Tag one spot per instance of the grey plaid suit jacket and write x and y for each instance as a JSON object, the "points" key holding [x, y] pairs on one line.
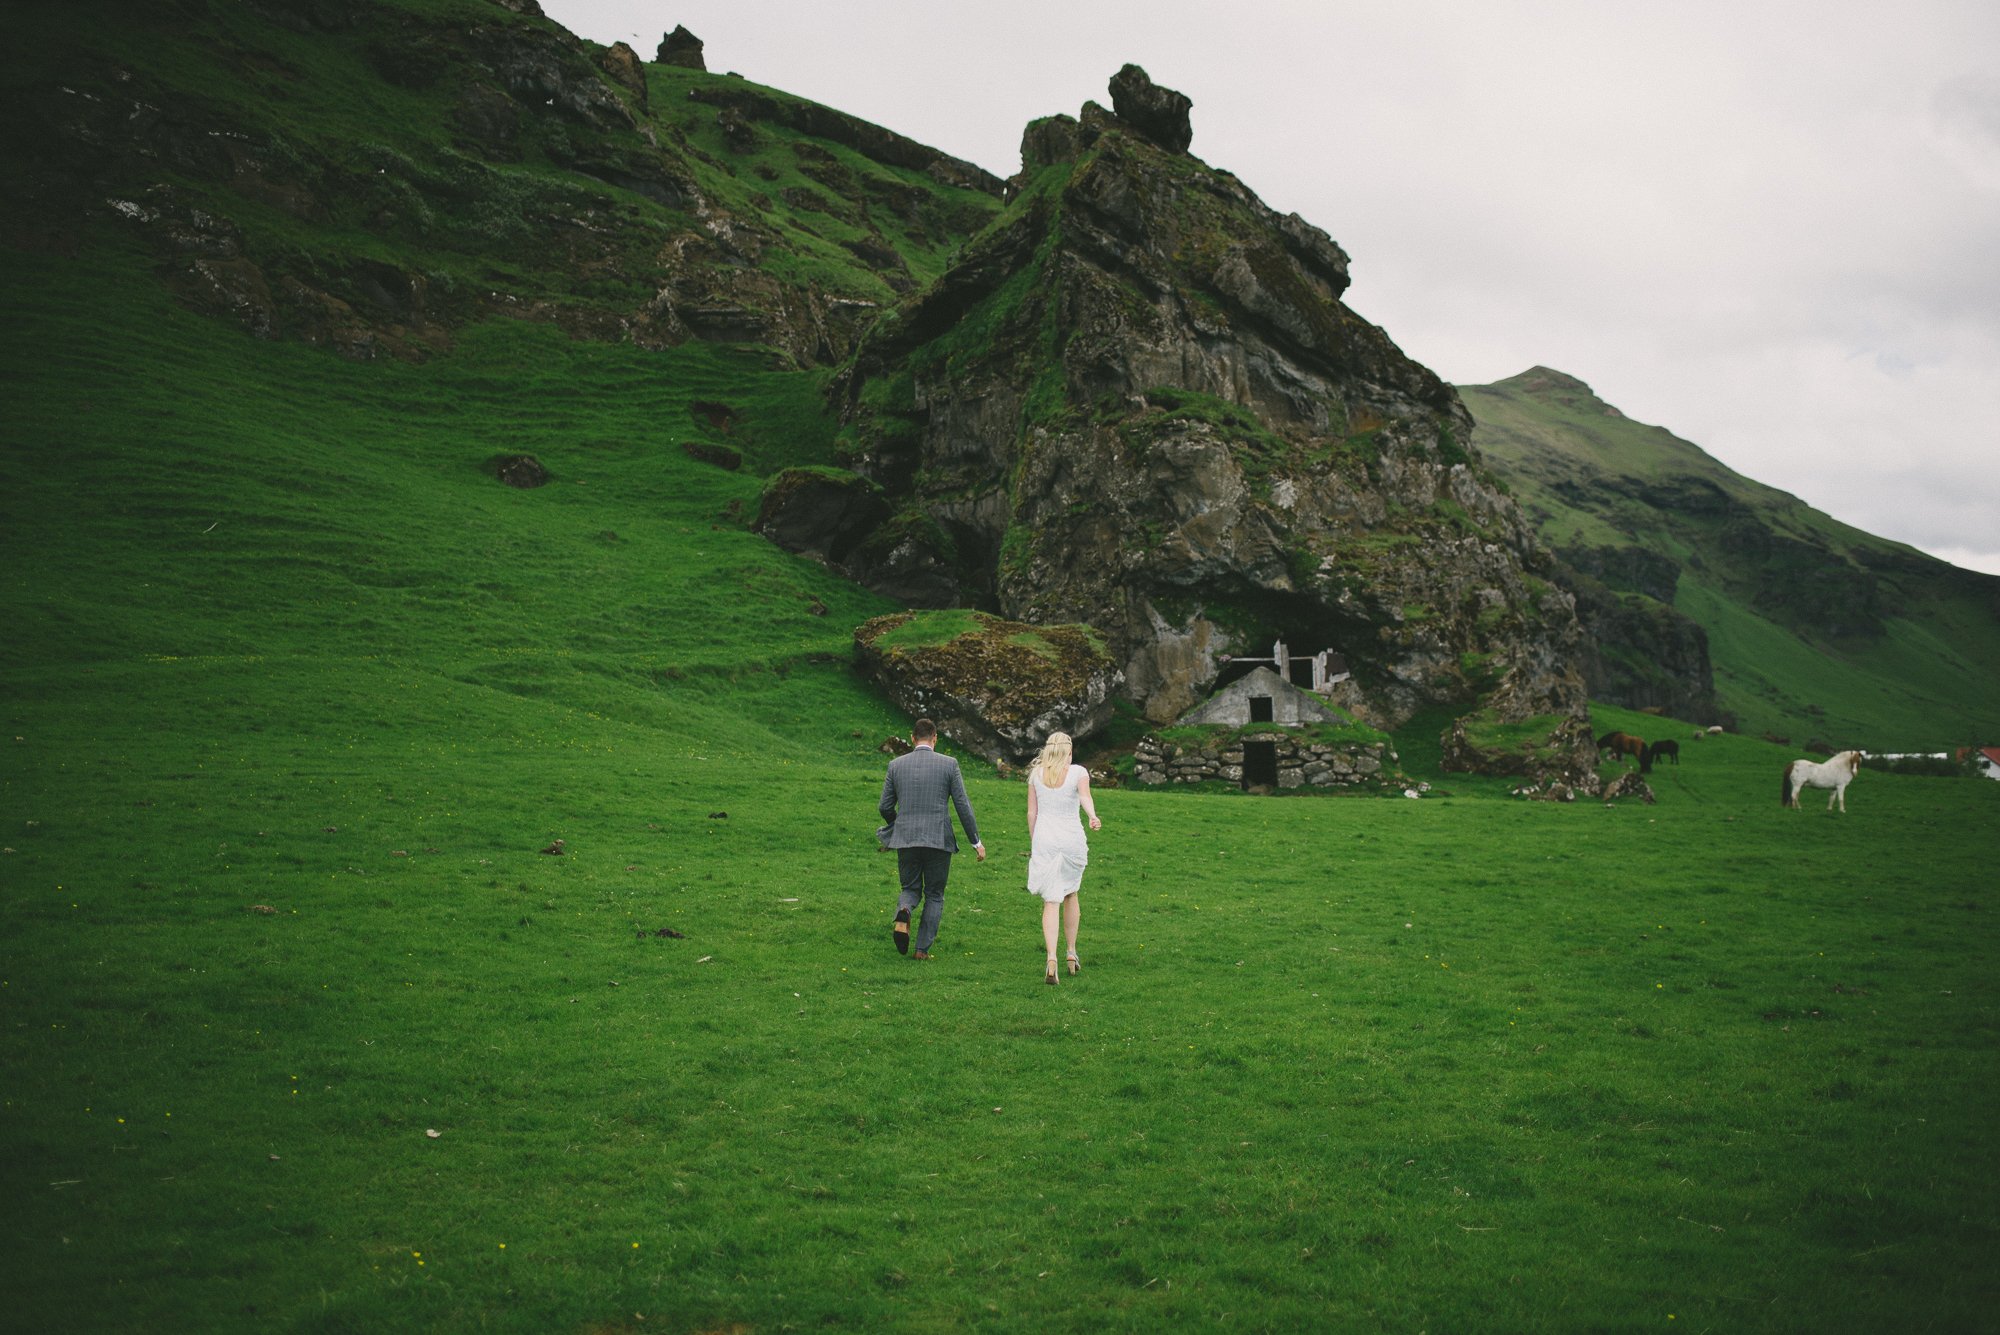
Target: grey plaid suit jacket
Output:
{"points": [[918, 793]]}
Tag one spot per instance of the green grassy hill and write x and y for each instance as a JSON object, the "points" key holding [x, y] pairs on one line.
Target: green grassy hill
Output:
{"points": [[1816, 629], [371, 175], [302, 1028]]}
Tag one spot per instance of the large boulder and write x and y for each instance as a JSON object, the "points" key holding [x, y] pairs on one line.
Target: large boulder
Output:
{"points": [[995, 687], [621, 62], [681, 47], [1161, 114]]}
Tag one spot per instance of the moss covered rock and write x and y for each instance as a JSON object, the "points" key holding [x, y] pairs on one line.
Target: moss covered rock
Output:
{"points": [[996, 687], [1545, 753]]}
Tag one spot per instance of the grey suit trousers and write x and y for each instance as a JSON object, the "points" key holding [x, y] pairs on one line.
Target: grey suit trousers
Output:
{"points": [[919, 794], [924, 872]]}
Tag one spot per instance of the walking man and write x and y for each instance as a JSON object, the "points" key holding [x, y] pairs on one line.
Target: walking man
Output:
{"points": [[917, 793]]}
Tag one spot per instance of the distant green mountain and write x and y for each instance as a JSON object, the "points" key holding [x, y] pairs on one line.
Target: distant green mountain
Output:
{"points": [[1815, 630]]}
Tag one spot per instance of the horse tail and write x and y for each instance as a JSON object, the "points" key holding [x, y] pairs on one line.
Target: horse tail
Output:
{"points": [[1785, 792], [1646, 760]]}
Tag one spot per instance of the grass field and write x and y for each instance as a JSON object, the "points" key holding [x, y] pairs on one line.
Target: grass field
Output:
{"points": [[1464, 1063]]}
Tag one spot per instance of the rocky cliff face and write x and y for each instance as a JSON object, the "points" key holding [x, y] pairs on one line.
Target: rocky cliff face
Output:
{"points": [[1137, 400], [1639, 652]]}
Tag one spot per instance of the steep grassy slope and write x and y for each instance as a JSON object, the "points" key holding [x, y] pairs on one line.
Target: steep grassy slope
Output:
{"points": [[1816, 629], [371, 174], [186, 495]]}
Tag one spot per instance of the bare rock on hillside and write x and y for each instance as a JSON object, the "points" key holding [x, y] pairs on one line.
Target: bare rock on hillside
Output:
{"points": [[821, 512], [1629, 784], [737, 132], [519, 470], [682, 48], [1556, 755], [998, 688], [546, 69], [1639, 651], [487, 121], [1049, 140], [621, 62], [1161, 114]]}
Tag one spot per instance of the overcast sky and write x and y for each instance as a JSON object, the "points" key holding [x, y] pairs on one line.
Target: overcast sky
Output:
{"points": [[1771, 227]]}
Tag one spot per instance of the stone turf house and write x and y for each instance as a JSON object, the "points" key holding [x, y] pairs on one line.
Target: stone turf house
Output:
{"points": [[1259, 696], [1264, 733]]}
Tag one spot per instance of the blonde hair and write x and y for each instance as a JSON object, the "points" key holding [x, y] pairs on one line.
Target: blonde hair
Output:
{"points": [[1052, 765]]}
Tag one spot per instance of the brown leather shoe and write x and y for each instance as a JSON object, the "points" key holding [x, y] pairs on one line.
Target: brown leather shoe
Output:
{"points": [[921, 955]]}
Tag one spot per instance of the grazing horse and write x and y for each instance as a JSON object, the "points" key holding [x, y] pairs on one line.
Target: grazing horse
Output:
{"points": [[1670, 749], [1836, 774], [1623, 744]]}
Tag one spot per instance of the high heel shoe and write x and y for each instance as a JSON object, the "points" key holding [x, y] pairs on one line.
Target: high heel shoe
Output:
{"points": [[1050, 976], [1075, 964]]}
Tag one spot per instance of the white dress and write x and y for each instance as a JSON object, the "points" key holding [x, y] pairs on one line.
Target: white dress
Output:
{"points": [[1059, 853]]}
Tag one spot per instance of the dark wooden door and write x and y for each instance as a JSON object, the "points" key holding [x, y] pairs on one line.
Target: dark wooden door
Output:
{"points": [[1260, 764]]}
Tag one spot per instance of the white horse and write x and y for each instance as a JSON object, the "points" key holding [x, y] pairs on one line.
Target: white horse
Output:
{"points": [[1836, 774]]}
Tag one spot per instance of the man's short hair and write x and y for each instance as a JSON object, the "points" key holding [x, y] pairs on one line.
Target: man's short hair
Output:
{"points": [[923, 730]]}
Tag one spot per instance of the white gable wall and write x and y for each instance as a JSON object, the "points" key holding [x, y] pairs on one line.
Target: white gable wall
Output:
{"points": [[1230, 706]]}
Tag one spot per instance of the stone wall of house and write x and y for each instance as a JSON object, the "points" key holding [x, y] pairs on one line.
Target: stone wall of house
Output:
{"points": [[1303, 760]]}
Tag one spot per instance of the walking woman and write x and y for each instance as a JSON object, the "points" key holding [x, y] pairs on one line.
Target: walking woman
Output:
{"points": [[1058, 851]]}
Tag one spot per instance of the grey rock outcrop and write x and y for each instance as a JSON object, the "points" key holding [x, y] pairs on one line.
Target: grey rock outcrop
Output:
{"points": [[1639, 652], [1139, 401], [1161, 114], [519, 470], [820, 511], [622, 63], [682, 48], [1629, 784]]}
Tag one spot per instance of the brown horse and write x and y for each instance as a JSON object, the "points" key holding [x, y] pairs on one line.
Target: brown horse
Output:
{"points": [[1669, 749], [1623, 744]]}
